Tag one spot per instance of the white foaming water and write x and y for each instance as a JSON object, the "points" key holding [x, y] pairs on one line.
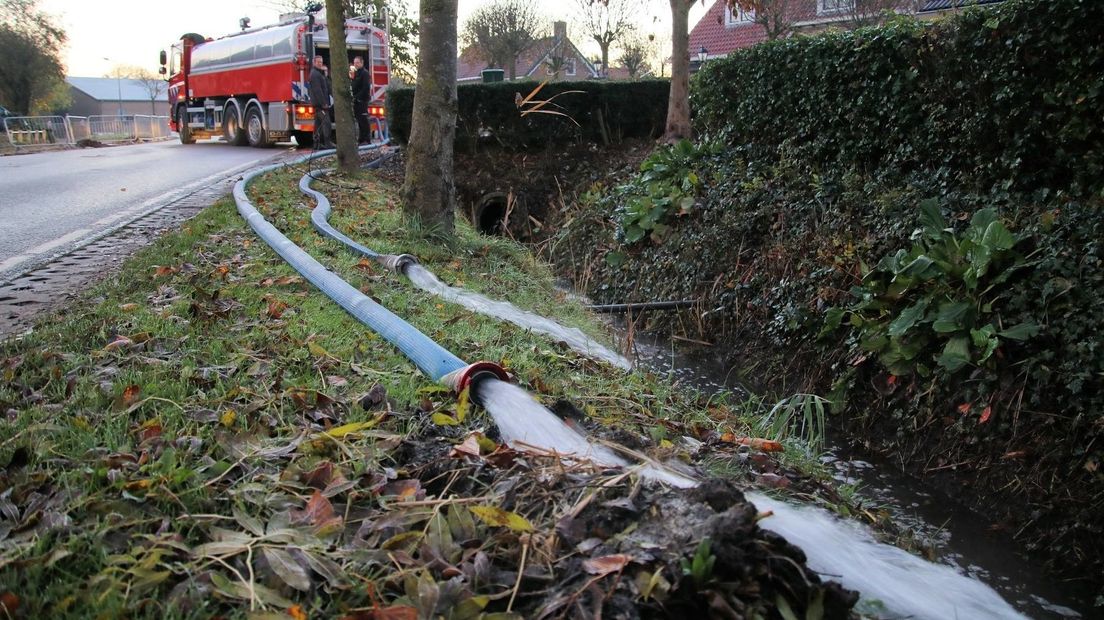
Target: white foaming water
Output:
{"points": [[572, 337], [522, 420], [908, 585]]}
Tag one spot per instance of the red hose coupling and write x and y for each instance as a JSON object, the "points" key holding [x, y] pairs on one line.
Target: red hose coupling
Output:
{"points": [[460, 379]]}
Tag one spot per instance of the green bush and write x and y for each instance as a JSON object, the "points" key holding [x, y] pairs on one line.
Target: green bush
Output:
{"points": [[1009, 97], [938, 306], [602, 112], [973, 353]]}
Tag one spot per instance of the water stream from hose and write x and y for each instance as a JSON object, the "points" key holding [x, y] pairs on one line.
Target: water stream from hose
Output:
{"points": [[907, 585], [524, 422], [571, 336]]}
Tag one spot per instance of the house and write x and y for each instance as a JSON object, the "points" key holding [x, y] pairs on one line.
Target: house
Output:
{"points": [[723, 30], [110, 96], [539, 62]]}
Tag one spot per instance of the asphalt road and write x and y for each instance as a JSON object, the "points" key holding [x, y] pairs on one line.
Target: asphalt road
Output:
{"points": [[52, 201]]}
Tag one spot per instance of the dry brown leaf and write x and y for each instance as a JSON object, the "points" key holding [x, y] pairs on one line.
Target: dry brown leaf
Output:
{"points": [[468, 447], [606, 564]]}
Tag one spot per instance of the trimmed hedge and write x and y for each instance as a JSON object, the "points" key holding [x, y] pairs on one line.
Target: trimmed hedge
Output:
{"points": [[488, 114], [1009, 97]]}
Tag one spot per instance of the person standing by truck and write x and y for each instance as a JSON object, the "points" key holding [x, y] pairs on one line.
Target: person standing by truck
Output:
{"points": [[320, 99], [362, 95]]}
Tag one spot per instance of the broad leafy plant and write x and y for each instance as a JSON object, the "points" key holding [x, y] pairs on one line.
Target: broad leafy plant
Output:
{"points": [[936, 305], [668, 186]]}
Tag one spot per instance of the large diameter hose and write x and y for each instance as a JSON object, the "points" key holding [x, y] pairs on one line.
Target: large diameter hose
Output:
{"points": [[321, 213], [431, 358]]}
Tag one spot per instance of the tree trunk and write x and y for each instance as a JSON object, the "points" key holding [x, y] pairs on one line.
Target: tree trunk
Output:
{"points": [[347, 159], [428, 193], [678, 107]]}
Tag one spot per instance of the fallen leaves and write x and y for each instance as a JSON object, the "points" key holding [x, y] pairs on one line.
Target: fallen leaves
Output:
{"points": [[497, 517], [606, 564], [319, 512], [755, 443]]}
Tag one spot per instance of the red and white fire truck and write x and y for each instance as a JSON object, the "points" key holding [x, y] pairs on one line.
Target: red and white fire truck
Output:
{"points": [[251, 87]]}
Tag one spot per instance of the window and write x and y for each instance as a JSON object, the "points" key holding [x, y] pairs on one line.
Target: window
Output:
{"points": [[569, 66], [737, 16], [828, 7]]}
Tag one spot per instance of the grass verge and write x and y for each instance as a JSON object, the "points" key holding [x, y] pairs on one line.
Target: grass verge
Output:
{"points": [[206, 434]]}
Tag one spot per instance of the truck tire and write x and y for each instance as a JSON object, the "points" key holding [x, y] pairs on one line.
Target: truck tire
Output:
{"points": [[305, 139], [254, 127], [232, 130], [182, 126]]}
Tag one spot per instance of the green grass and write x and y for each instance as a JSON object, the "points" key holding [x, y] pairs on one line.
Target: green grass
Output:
{"points": [[138, 419]]}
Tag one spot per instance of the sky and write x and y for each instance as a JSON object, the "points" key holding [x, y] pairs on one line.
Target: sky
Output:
{"points": [[132, 32]]}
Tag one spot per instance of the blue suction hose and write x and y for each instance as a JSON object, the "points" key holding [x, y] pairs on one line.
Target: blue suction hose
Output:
{"points": [[431, 358]]}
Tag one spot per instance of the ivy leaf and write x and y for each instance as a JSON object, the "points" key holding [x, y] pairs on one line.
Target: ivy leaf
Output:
{"points": [[615, 259]]}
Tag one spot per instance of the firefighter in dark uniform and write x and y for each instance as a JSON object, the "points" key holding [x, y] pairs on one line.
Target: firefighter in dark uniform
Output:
{"points": [[362, 94], [320, 99]]}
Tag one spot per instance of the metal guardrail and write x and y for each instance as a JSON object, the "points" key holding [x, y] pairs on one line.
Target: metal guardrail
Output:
{"points": [[41, 131]]}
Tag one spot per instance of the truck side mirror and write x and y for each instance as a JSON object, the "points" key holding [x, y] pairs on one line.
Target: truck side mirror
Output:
{"points": [[164, 58]]}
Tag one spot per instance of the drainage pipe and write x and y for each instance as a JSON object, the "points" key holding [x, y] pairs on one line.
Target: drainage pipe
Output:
{"points": [[431, 358], [646, 305]]}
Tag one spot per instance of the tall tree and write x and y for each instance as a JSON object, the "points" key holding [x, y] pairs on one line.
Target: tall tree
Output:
{"points": [[869, 12], [153, 84], [607, 22], [429, 192], [635, 52], [777, 17], [30, 55], [503, 30], [347, 158], [678, 106]]}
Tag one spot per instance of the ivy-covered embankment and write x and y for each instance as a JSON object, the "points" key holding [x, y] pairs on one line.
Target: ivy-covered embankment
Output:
{"points": [[906, 219]]}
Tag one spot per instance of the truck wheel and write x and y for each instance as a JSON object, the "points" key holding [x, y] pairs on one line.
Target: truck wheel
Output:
{"points": [[182, 126], [254, 125], [305, 139], [232, 130]]}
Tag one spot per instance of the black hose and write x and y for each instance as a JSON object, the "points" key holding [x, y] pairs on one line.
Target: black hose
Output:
{"points": [[644, 305]]}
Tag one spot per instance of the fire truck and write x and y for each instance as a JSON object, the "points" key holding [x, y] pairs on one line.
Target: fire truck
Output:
{"points": [[251, 87]]}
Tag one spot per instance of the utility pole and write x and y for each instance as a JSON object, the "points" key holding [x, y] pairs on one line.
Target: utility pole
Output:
{"points": [[119, 86]]}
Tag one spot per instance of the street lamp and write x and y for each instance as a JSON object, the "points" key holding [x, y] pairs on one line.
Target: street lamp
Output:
{"points": [[119, 86], [702, 55], [598, 67]]}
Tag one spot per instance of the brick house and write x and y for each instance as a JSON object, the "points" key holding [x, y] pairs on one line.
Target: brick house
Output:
{"points": [[534, 63], [723, 30]]}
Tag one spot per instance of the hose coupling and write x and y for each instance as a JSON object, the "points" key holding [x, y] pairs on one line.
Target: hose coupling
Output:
{"points": [[397, 262], [470, 375]]}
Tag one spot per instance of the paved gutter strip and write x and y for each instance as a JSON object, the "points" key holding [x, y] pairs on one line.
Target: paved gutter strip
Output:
{"points": [[61, 277]]}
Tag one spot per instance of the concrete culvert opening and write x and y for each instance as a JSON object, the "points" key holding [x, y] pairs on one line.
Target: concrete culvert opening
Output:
{"points": [[490, 213]]}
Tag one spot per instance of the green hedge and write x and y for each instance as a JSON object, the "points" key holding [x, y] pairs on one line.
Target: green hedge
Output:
{"points": [[488, 114], [1010, 97]]}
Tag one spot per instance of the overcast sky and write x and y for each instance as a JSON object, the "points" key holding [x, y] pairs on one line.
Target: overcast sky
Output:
{"points": [[132, 32]]}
